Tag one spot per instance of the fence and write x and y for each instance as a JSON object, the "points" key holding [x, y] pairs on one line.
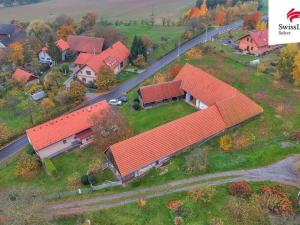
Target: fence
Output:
{"points": [[82, 191]]}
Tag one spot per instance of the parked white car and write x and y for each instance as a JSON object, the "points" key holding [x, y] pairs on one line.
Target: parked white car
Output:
{"points": [[115, 102]]}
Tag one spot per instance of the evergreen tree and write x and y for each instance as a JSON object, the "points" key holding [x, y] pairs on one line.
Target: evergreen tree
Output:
{"points": [[138, 48], [53, 50]]}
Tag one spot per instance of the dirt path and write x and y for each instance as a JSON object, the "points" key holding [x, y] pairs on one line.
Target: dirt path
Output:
{"points": [[281, 172]]}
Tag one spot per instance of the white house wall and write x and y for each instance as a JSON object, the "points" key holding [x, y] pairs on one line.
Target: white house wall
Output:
{"points": [[82, 74], [56, 148]]}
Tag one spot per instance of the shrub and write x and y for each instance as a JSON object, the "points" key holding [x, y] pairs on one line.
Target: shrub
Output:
{"points": [[28, 166], [96, 167], [142, 202], [216, 221], [51, 169], [74, 180], [240, 188], [30, 151], [64, 68], [85, 180], [202, 195], [92, 179], [261, 68], [197, 160], [225, 143], [137, 100], [242, 212], [178, 220], [136, 106], [175, 206], [275, 200]]}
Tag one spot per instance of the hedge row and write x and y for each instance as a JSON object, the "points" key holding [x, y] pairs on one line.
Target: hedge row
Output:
{"points": [[51, 169]]}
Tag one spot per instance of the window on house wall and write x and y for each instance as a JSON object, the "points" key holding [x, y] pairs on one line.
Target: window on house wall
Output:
{"points": [[251, 48], [122, 64], [64, 141], [88, 72]]}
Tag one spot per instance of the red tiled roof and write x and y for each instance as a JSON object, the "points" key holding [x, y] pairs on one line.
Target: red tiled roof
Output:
{"points": [[261, 38], [111, 57], [237, 109], [228, 107], [161, 91], [85, 44], [139, 151], [64, 126], [62, 45], [23, 76], [83, 58], [204, 86]]}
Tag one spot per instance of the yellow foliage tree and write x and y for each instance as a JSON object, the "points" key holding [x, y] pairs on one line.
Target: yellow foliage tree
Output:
{"points": [[203, 8], [225, 143], [16, 55], [64, 31], [4, 133], [105, 78], [142, 202], [261, 26], [296, 70], [47, 105]]}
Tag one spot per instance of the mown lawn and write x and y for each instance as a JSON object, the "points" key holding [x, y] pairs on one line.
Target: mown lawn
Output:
{"points": [[156, 211], [66, 164], [155, 33]]}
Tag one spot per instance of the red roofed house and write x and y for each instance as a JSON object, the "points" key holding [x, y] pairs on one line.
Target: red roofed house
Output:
{"points": [[160, 93], [115, 57], [65, 132], [221, 107], [25, 77], [80, 44], [256, 43]]}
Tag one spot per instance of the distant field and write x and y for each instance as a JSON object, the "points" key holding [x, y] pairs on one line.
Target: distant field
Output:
{"points": [[109, 9]]}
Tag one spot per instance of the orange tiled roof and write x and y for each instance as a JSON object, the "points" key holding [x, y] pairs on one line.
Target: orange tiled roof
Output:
{"points": [[237, 109], [23, 76], [204, 86], [139, 151], [111, 57], [161, 91], [85, 44], [62, 45], [64, 126], [227, 108], [83, 58]]}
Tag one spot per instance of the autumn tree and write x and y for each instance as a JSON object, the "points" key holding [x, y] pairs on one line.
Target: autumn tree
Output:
{"points": [[16, 53], [105, 78], [53, 80], [28, 166], [251, 20], [286, 60], [296, 70], [4, 133], [140, 62], [40, 31], [110, 127], [261, 26], [23, 206], [47, 106], [221, 16], [62, 20], [64, 31], [147, 42], [173, 71], [88, 21], [203, 8], [77, 90]]}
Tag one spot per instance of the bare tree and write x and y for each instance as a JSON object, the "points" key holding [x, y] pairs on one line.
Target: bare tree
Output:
{"points": [[110, 127], [22, 206]]}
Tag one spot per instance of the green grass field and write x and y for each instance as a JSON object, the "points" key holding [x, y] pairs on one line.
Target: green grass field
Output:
{"points": [[155, 33], [157, 213]]}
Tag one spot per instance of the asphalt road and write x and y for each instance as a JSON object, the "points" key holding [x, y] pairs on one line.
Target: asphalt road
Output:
{"points": [[20, 143]]}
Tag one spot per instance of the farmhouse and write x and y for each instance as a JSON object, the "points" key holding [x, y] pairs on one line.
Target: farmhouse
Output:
{"points": [[24, 77], [11, 33], [89, 65], [221, 107], [80, 44], [165, 92], [65, 132], [45, 58], [256, 43]]}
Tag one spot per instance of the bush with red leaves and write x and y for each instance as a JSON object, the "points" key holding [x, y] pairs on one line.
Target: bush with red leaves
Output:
{"points": [[240, 188]]}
